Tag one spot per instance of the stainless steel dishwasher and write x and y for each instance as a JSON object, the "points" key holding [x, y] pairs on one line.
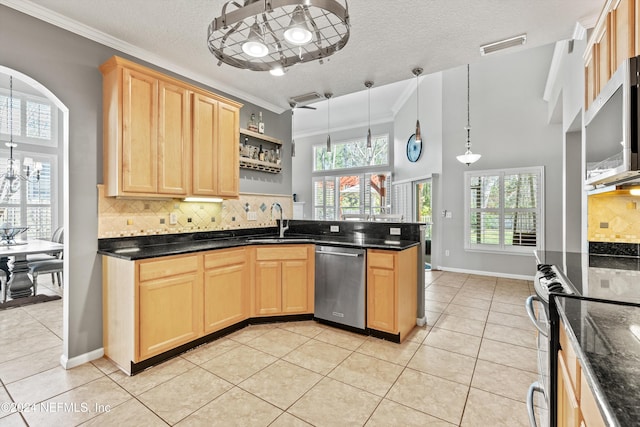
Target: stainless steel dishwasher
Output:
{"points": [[340, 286]]}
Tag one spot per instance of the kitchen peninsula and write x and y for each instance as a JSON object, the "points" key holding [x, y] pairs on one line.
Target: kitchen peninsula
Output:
{"points": [[165, 294]]}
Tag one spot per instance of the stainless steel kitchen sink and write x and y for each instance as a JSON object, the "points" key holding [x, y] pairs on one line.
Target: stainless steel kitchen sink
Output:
{"points": [[277, 240]]}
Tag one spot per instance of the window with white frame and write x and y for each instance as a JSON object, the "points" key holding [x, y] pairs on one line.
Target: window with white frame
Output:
{"points": [[30, 203], [30, 122], [361, 194], [30, 119], [360, 186], [503, 210], [352, 154]]}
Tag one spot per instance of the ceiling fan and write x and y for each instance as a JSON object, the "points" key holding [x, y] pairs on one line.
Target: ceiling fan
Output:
{"points": [[293, 104]]}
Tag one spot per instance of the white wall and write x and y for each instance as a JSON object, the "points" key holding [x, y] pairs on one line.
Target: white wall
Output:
{"points": [[510, 130], [430, 160]]}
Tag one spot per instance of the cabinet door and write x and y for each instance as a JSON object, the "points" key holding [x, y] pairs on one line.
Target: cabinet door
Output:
{"points": [[295, 291], [381, 314], [139, 133], [603, 47], [268, 287], [591, 83], [568, 409], [204, 159], [224, 296], [174, 148], [167, 314], [227, 156], [623, 32]]}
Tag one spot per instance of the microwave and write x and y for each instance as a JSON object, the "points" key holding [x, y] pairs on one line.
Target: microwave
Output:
{"points": [[611, 130]]}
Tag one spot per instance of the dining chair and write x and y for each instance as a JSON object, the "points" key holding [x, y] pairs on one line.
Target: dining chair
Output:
{"points": [[52, 266], [58, 237]]}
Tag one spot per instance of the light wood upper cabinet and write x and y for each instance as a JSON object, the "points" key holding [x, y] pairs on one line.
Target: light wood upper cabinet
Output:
{"points": [[166, 138], [622, 32], [284, 280], [174, 134], [392, 281], [216, 164], [616, 37], [603, 54]]}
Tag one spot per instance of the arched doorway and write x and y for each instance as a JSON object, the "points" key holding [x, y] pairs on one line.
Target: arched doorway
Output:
{"points": [[61, 216]]}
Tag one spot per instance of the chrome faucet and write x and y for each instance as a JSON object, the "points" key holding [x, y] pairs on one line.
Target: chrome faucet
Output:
{"points": [[282, 226]]}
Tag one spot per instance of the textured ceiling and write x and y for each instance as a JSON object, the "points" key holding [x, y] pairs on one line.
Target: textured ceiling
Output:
{"points": [[388, 38]]}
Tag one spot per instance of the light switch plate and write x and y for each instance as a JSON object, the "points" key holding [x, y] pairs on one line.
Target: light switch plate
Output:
{"points": [[335, 229], [252, 216], [173, 218], [449, 214], [394, 231]]}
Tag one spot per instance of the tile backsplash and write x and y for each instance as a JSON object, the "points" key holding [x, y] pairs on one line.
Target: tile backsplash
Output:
{"points": [[613, 218], [140, 217]]}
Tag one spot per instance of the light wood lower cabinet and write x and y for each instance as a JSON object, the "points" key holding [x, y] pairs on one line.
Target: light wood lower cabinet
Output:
{"points": [[576, 403], [226, 282], [284, 280], [158, 331], [392, 281]]}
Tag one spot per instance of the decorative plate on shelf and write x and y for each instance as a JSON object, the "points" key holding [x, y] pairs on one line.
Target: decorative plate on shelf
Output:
{"points": [[414, 148]]}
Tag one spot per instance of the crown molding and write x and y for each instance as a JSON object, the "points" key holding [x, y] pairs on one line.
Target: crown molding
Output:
{"points": [[61, 21]]}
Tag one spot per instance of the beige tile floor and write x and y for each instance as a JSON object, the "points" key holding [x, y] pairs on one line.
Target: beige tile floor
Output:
{"points": [[470, 366]]}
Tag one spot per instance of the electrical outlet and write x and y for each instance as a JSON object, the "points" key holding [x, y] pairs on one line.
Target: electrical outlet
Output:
{"points": [[252, 216], [446, 252], [394, 231], [449, 215], [173, 218], [335, 229]]}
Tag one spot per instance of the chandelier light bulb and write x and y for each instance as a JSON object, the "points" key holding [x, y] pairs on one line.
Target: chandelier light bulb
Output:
{"points": [[298, 32], [254, 46]]}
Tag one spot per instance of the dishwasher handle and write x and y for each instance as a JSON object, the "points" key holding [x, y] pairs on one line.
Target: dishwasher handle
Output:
{"points": [[347, 254]]}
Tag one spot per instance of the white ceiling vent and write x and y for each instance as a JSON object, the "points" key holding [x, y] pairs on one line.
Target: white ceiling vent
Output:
{"points": [[305, 99], [503, 44]]}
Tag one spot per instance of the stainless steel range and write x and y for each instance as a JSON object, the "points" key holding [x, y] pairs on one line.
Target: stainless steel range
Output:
{"points": [[549, 278]]}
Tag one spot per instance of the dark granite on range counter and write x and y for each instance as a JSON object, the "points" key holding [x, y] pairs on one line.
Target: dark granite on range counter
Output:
{"points": [[606, 338], [369, 235]]}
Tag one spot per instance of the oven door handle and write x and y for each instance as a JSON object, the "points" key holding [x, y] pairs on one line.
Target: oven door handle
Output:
{"points": [[532, 315], [533, 388]]}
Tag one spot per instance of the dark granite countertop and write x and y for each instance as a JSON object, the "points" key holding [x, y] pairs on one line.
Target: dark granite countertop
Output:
{"points": [[606, 337], [135, 249]]}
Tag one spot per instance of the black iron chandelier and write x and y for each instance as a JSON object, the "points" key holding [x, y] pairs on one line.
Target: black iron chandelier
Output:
{"points": [[273, 35]]}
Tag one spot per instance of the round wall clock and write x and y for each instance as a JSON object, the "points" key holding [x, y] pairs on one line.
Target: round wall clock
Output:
{"points": [[414, 148]]}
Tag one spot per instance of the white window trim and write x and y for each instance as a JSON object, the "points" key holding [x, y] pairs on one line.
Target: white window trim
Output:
{"points": [[347, 171], [22, 138], [501, 249]]}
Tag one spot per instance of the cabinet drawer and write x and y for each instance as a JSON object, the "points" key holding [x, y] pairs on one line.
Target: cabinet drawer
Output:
{"points": [[224, 258], [381, 260], [168, 267], [265, 253]]}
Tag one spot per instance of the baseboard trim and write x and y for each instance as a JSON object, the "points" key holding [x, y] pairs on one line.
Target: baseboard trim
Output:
{"points": [[81, 359], [487, 273]]}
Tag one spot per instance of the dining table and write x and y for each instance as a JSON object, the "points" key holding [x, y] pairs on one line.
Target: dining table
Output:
{"points": [[19, 284]]}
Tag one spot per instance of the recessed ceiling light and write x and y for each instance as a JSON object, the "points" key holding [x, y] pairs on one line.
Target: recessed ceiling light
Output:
{"points": [[503, 44]]}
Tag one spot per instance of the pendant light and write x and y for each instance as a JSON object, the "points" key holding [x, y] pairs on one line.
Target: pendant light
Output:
{"points": [[368, 85], [468, 157], [417, 72], [328, 95]]}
